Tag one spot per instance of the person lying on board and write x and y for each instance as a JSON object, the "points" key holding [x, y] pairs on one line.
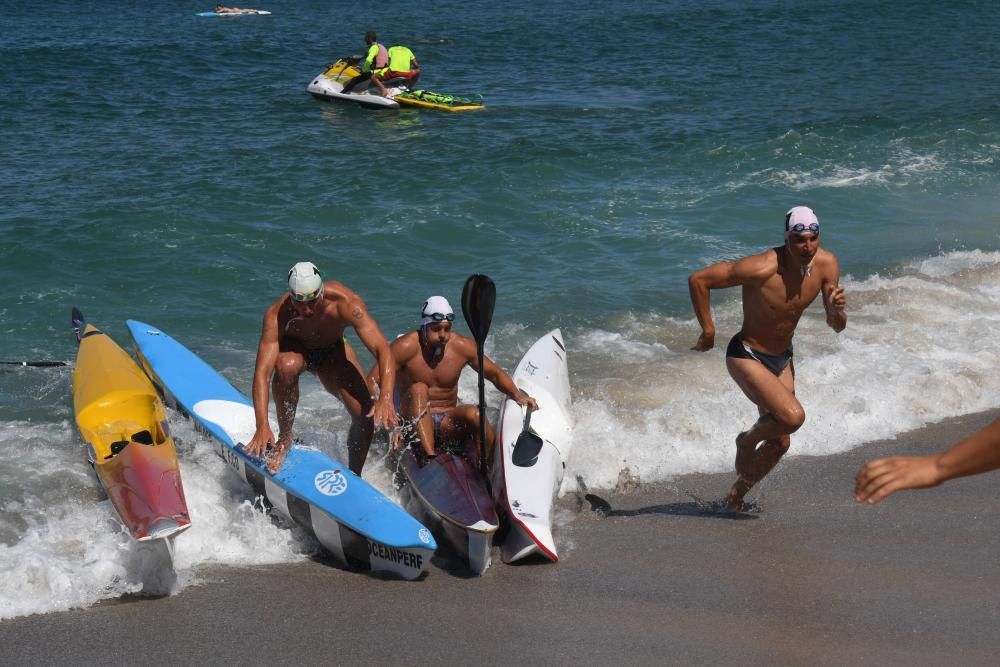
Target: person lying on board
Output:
{"points": [[402, 65], [376, 58], [219, 9], [778, 285], [304, 331], [428, 363], [978, 453]]}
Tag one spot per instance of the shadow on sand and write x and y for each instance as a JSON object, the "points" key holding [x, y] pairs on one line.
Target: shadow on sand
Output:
{"points": [[715, 509]]}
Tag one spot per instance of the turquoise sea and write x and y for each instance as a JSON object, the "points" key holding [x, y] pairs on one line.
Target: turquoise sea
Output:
{"points": [[167, 167]]}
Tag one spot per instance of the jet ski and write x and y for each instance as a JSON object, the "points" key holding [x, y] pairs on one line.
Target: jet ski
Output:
{"points": [[329, 85]]}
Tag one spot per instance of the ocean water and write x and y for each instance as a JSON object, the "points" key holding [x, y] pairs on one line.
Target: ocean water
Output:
{"points": [[170, 168]]}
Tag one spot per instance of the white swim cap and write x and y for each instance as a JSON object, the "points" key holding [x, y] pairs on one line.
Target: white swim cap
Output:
{"points": [[436, 309], [305, 282], [801, 220]]}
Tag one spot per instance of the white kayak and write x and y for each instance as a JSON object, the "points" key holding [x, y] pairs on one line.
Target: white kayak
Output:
{"points": [[329, 85], [525, 494]]}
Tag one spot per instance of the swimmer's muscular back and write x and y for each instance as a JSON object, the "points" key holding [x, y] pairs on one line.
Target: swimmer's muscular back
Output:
{"points": [[775, 295], [441, 376], [340, 307]]}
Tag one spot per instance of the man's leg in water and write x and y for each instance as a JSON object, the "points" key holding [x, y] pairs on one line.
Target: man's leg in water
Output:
{"points": [[414, 409], [462, 424], [285, 389], [781, 415], [341, 375]]}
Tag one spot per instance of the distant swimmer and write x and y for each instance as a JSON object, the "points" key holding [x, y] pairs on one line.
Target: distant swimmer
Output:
{"points": [[978, 453], [377, 58], [402, 65], [430, 40], [778, 285], [304, 331], [219, 9], [429, 362]]}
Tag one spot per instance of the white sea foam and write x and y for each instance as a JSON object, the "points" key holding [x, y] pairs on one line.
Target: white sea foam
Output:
{"points": [[64, 546]]}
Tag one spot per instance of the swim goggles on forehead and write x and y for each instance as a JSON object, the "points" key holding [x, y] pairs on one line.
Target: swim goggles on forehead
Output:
{"points": [[307, 296], [798, 228], [440, 317]]}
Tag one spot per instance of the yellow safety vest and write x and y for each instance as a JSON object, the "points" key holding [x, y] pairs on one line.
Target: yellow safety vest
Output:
{"points": [[399, 58]]}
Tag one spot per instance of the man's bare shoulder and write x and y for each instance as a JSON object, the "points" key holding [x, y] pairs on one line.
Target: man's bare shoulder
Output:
{"points": [[346, 303], [757, 268], [465, 346], [827, 263], [274, 311], [825, 256], [405, 347], [270, 325], [334, 290]]}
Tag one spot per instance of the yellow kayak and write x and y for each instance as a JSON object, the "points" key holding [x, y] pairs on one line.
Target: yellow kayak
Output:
{"points": [[124, 424]]}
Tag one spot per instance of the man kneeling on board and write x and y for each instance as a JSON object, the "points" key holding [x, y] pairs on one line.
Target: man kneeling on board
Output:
{"points": [[428, 363], [304, 331]]}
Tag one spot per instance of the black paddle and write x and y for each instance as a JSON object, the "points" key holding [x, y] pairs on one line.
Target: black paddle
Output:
{"points": [[35, 364], [528, 445], [479, 296]]}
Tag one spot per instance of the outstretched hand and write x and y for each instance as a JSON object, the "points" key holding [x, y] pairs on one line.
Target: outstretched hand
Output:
{"points": [[882, 477], [706, 341]]}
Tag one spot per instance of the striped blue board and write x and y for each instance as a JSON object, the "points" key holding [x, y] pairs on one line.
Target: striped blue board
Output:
{"points": [[356, 523]]}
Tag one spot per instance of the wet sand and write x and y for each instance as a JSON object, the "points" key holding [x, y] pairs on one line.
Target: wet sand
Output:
{"points": [[813, 578]]}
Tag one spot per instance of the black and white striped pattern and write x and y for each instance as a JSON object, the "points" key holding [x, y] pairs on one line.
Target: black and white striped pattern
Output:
{"points": [[347, 546]]}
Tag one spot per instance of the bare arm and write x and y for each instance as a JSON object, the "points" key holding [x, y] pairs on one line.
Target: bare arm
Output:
{"points": [[978, 453], [267, 357], [400, 355], [834, 300], [383, 412], [504, 382], [749, 270]]}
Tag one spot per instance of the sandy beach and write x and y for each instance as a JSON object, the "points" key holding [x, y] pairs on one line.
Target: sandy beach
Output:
{"points": [[811, 578]]}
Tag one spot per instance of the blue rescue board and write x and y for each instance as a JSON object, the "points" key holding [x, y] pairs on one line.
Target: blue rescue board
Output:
{"points": [[355, 522]]}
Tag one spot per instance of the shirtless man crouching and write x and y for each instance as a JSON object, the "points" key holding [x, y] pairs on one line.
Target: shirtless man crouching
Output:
{"points": [[304, 331], [429, 362], [778, 285]]}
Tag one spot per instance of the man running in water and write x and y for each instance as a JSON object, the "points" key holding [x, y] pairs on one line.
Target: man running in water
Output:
{"points": [[429, 362], [778, 285], [304, 331]]}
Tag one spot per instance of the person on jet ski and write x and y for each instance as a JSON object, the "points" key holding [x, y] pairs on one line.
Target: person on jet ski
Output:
{"points": [[376, 58], [402, 65]]}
